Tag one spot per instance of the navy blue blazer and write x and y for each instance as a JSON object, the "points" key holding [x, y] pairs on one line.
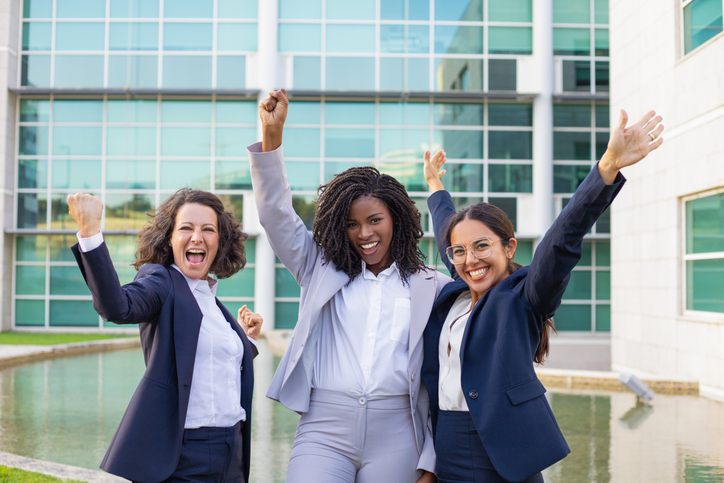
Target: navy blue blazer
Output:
{"points": [[506, 400], [147, 443]]}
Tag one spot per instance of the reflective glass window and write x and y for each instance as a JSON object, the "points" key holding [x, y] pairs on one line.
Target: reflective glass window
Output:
{"points": [[508, 205], [187, 36], [307, 73], [351, 9], [67, 281], [524, 252], [77, 140], [294, 9], [602, 76], [404, 113], [185, 141], [332, 169], [603, 318], [303, 175], [77, 111], [566, 178], [510, 11], [300, 37], [459, 74], [601, 144], [131, 141], [603, 225], [236, 36], [133, 36], [34, 110], [704, 285], [510, 178], [574, 317], [702, 21], [32, 210], [33, 173], [237, 112], [80, 8], [603, 254], [232, 175], [284, 284], [510, 114], [459, 114], [78, 70], [576, 76], [187, 71], [232, 141], [404, 143], [240, 284], [37, 35], [464, 177], [33, 140], [466, 10], [77, 174], [603, 285], [31, 248], [579, 286], [404, 73], [510, 145], [30, 313], [285, 314], [460, 144], [304, 206], [602, 42], [61, 219], [705, 224], [35, 70], [230, 71], [405, 10], [189, 9], [571, 11], [510, 40], [194, 174], [458, 39], [350, 38], [601, 11], [121, 247], [72, 313], [349, 113], [132, 70], [136, 110], [128, 210], [409, 174], [30, 280], [572, 115], [37, 8], [572, 145], [130, 174], [134, 8], [602, 115], [502, 74], [302, 142], [570, 41], [305, 113], [80, 36], [413, 39], [237, 8], [349, 143]]}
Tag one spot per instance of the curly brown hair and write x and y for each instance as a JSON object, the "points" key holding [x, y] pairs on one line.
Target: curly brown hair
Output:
{"points": [[154, 239], [330, 221]]}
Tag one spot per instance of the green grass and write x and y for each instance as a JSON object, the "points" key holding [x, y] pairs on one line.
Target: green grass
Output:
{"points": [[14, 475], [36, 338]]}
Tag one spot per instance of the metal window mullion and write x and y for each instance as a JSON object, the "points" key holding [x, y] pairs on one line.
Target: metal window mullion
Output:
{"points": [[214, 45], [157, 194], [161, 23], [212, 160], [52, 46]]}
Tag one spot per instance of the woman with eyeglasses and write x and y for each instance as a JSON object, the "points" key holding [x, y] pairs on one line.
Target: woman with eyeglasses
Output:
{"points": [[491, 421]]}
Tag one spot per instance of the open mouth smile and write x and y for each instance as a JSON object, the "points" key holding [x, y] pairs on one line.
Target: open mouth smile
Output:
{"points": [[368, 248], [195, 256], [478, 273]]}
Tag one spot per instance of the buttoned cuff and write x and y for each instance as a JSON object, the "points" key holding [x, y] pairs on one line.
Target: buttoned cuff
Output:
{"points": [[90, 243]]}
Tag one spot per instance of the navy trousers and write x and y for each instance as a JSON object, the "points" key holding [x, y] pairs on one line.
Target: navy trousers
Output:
{"points": [[461, 456]]}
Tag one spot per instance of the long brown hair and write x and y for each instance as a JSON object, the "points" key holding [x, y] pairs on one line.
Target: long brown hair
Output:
{"points": [[154, 239], [499, 223]]}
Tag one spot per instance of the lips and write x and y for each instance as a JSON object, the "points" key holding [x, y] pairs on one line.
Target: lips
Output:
{"points": [[368, 248], [478, 273], [195, 256]]}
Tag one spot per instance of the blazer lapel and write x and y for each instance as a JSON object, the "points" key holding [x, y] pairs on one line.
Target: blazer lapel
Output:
{"points": [[422, 296], [186, 326]]}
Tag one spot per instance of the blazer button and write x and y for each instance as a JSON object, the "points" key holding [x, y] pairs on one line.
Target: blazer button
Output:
{"points": [[473, 394]]}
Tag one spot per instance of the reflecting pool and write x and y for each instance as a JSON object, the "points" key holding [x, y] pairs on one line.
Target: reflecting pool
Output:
{"points": [[66, 410]]}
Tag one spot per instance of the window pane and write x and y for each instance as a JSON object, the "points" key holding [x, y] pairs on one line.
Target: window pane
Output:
{"points": [[349, 143], [572, 145], [134, 8], [502, 74], [302, 142], [602, 115], [295, 37], [194, 174], [702, 21], [510, 114], [232, 175], [351, 9], [250, 246], [31, 248], [285, 314], [509, 206], [304, 206], [33, 140], [30, 280], [602, 77], [511, 11], [573, 317], [185, 71], [294, 9], [603, 225], [32, 173], [603, 254], [579, 286], [30, 313], [231, 72], [34, 110], [404, 143], [332, 169], [35, 71], [510, 145], [349, 113], [236, 36], [601, 144], [454, 39], [303, 175], [398, 74], [188, 9], [187, 36], [131, 141], [409, 174], [576, 76], [464, 177], [80, 8], [458, 114], [73, 313], [32, 210], [78, 70], [571, 11], [350, 73], [459, 74], [601, 11], [510, 178], [397, 9], [307, 73], [705, 285], [185, 141], [705, 224], [350, 38], [37, 35], [459, 144], [510, 40], [239, 285], [232, 141], [466, 10], [238, 8], [405, 39], [571, 41], [133, 36], [572, 115], [37, 8], [128, 211], [77, 140], [132, 110], [80, 36], [303, 113], [237, 112], [587, 249], [132, 70], [524, 252], [130, 174], [567, 178], [603, 285], [77, 174], [77, 111], [404, 113], [602, 42], [603, 318], [67, 281]]}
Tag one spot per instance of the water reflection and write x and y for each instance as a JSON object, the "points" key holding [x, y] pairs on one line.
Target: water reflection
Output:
{"points": [[67, 410]]}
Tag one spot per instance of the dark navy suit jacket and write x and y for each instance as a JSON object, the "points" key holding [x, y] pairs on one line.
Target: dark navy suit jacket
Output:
{"points": [[147, 444], [506, 400]]}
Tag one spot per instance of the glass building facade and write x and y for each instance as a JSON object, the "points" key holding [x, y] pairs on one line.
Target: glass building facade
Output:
{"points": [[131, 100]]}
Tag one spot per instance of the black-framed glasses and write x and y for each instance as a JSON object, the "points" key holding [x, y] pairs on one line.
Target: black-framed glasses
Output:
{"points": [[481, 248]]}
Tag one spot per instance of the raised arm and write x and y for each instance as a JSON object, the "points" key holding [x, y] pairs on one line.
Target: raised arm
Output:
{"points": [[439, 202]]}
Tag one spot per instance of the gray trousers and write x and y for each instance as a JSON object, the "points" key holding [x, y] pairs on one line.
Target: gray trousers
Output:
{"points": [[350, 439]]}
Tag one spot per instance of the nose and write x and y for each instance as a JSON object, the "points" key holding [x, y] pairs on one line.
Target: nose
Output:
{"points": [[196, 236], [365, 231], [470, 257]]}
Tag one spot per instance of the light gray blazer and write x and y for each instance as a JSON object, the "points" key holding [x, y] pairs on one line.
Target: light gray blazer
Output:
{"points": [[296, 248]]}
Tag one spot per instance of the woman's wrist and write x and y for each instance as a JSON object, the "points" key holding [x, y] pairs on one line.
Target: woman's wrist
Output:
{"points": [[607, 167]]}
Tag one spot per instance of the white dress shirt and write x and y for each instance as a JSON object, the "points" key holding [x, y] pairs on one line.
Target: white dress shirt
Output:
{"points": [[450, 388], [364, 339]]}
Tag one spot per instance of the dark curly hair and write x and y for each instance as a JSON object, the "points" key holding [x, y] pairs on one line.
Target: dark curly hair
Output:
{"points": [[154, 239], [330, 221]]}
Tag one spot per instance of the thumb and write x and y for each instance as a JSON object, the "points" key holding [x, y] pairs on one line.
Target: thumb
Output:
{"points": [[426, 156], [622, 120]]}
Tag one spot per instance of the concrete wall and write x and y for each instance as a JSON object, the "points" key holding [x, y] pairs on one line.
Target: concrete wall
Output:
{"points": [[649, 332]]}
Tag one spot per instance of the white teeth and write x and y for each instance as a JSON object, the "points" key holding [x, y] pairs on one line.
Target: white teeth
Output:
{"points": [[369, 245], [478, 273], [196, 250]]}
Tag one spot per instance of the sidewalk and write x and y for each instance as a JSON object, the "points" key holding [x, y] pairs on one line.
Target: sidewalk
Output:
{"points": [[58, 470], [22, 354]]}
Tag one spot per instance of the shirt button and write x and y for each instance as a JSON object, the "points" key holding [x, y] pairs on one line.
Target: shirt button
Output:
{"points": [[473, 394], [413, 377], [367, 366], [362, 401], [231, 359], [371, 334]]}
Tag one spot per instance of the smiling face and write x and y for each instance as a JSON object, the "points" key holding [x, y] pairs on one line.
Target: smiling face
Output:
{"points": [[369, 229], [481, 275], [195, 240]]}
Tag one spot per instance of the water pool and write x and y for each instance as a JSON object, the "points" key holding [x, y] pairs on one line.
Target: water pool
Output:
{"points": [[66, 410]]}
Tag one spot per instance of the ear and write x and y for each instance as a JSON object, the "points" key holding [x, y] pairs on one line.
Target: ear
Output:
{"points": [[510, 249]]}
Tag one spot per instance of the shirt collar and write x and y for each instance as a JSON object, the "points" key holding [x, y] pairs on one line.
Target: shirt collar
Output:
{"points": [[367, 274], [197, 283]]}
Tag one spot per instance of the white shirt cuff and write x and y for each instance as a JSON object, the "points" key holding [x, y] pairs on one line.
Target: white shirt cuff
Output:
{"points": [[90, 243], [253, 342]]}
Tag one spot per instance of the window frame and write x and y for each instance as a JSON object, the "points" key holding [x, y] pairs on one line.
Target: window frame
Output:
{"points": [[682, 26]]}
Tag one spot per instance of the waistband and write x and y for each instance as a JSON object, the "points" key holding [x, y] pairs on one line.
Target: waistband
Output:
{"points": [[206, 433], [371, 402]]}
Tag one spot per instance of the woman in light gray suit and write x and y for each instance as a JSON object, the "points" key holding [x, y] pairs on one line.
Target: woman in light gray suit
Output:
{"points": [[352, 368]]}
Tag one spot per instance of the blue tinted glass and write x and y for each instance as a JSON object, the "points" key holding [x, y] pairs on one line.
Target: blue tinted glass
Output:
{"points": [[132, 70], [349, 113], [80, 36], [231, 71], [131, 141], [32, 210], [456, 39], [404, 143], [305, 113], [572, 145], [510, 40], [404, 114], [130, 174], [72, 313], [333, 168], [571, 41], [34, 110], [194, 174], [37, 8], [29, 313], [187, 36], [405, 39], [35, 71], [459, 144], [188, 9], [236, 36], [77, 111], [303, 175], [567, 178], [350, 38], [134, 8], [32, 173], [77, 174], [237, 112], [464, 177], [31, 248], [601, 39], [133, 36], [409, 174], [33, 140], [466, 10], [405, 10], [78, 71], [351, 9], [128, 210], [237, 8], [307, 73], [601, 11], [510, 114], [572, 115], [121, 110], [511, 11], [302, 142], [294, 9], [80, 8], [234, 175], [350, 73], [571, 11], [300, 37], [185, 141], [458, 114], [232, 141], [186, 71], [349, 143], [37, 35], [30, 280], [705, 224], [77, 140], [510, 145], [510, 178], [459, 74]]}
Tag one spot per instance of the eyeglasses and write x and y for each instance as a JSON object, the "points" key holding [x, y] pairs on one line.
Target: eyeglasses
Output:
{"points": [[481, 248]]}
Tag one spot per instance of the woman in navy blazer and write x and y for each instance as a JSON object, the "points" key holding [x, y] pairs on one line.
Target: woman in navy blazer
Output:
{"points": [[491, 421], [192, 231]]}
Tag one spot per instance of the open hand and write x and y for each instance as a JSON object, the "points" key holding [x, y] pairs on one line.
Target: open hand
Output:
{"points": [[432, 171], [250, 322], [629, 145], [87, 210], [273, 113]]}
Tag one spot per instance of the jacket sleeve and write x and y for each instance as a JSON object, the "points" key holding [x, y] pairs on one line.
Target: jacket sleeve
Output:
{"points": [[442, 209], [289, 238], [138, 301], [428, 458], [560, 249]]}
